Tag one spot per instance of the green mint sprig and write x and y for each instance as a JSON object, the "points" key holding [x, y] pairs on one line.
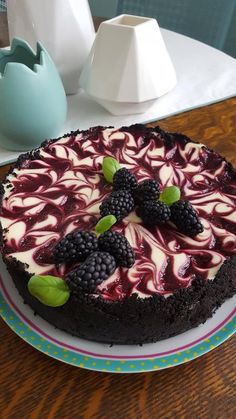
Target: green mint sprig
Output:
{"points": [[170, 195], [105, 223], [50, 290], [109, 168]]}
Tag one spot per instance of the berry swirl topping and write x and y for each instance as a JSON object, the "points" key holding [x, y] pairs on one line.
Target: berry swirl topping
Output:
{"points": [[61, 189]]}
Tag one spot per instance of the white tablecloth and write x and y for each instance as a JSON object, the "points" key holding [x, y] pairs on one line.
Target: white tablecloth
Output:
{"points": [[205, 75]]}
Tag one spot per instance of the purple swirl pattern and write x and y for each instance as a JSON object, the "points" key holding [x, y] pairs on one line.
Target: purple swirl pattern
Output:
{"points": [[51, 196]]}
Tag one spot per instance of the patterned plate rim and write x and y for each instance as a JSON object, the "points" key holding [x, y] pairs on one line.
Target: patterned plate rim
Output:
{"points": [[113, 365]]}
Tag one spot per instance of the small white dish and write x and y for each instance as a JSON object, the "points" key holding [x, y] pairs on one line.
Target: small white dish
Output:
{"points": [[128, 67]]}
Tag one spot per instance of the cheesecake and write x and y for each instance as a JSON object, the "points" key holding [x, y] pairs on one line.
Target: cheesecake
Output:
{"points": [[177, 281]]}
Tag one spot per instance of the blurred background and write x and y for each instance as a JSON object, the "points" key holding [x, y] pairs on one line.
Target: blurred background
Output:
{"points": [[209, 21]]}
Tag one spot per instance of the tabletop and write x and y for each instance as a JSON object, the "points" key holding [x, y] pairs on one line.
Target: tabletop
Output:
{"points": [[36, 386]]}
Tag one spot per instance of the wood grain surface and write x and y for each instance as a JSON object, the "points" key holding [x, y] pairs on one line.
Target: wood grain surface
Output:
{"points": [[4, 39], [33, 385]]}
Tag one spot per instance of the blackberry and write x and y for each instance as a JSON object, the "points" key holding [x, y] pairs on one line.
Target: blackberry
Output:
{"points": [[124, 179], [96, 268], [119, 203], [148, 190], [154, 212], [75, 247], [184, 216], [118, 246]]}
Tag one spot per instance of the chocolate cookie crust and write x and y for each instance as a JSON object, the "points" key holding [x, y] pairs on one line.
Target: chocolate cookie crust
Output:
{"points": [[133, 320]]}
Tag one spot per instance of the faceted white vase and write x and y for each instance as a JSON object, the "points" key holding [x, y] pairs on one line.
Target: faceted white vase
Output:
{"points": [[128, 67], [64, 27]]}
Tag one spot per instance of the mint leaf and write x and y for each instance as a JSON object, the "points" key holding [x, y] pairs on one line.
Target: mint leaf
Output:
{"points": [[49, 290], [109, 168], [105, 223], [170, 195]]}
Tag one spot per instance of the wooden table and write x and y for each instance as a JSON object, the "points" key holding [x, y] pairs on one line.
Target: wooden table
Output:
{"points": [[4, 41], [33, 385]]}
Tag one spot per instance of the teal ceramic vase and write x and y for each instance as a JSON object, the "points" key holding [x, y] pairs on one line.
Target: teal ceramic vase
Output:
{"points": [[33, 103]]}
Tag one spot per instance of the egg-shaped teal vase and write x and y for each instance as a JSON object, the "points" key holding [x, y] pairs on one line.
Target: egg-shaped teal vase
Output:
{"points": [[33, 103]]}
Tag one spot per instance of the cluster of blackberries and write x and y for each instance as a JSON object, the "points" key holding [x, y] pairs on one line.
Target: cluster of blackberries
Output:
{"points": [[128, 193], [181, 213], [100, 256]]}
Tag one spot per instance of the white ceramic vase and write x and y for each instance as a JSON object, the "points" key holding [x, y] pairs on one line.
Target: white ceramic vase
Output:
{"points": [[128, 67], [64, 27]]}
